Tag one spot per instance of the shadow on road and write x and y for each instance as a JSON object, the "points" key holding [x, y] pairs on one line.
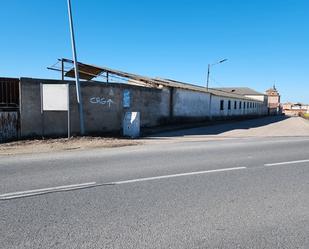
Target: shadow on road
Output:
{"points": [[222, 127]]}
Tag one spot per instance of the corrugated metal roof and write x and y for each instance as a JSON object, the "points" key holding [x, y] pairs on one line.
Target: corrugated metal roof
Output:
{"points": [[240, 90], [214, 91], [229, 95], [90, 71]]}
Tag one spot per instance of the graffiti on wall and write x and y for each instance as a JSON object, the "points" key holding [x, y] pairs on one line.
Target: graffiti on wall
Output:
{"points": [[101, 101], [8, 126]]}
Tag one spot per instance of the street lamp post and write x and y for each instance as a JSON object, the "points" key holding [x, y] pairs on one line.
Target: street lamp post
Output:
{"points": [[78, 90], [208, 71]]}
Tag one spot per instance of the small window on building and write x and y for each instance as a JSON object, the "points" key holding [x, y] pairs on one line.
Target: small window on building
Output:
{"points": [[229, 105], [239, 104], [221, 105], [244, 105], [235, 105], [248, 104]]}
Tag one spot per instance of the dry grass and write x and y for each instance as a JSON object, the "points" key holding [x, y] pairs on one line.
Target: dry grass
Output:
{"points": [[305, 115]]}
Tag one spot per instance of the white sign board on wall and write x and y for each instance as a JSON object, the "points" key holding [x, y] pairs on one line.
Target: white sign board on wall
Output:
{"points": [[126, 98], [55, 97]]}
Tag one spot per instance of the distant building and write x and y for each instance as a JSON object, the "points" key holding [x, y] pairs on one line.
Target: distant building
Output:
{"points": [[274, 107], [287, 106], [294, 109], [271, 98]]}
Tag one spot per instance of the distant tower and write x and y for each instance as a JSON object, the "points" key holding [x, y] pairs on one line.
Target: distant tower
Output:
{"points": [[273, 101]]}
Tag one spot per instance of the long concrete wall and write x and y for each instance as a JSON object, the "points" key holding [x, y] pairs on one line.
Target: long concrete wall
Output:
{"points": [[104, 107], [192, 104], [238, 107]]}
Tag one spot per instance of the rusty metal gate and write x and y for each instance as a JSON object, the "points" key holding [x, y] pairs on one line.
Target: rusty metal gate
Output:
{"points": [[9, 109]]}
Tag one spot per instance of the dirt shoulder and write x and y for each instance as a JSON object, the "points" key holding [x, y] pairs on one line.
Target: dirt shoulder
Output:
{"points": [[62, 144]]}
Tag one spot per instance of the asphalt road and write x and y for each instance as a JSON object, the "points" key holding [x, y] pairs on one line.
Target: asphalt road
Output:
{"points": [[181, 190]]}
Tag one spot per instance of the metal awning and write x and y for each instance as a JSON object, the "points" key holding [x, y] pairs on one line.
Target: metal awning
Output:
{"points": [[90, 72], [86, 72]]}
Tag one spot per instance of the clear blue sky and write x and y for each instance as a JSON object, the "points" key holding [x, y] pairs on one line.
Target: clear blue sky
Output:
{"points": [[265, 41]]}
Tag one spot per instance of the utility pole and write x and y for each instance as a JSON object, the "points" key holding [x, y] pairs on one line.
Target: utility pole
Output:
{"points": [[78, 90]]}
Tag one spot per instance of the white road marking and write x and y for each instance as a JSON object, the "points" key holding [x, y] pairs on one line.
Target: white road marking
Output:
{"points": [[14, 195], [285, 163], [21, 194], [176, 175]]}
